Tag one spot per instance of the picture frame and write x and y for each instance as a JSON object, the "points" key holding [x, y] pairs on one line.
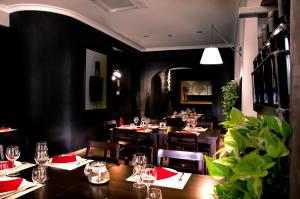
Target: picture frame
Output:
{"points": [[196, 92], [95, 80]]}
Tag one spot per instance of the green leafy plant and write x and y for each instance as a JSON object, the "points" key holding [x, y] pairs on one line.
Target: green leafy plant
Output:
{"points": [[252, 162], [230, 95]]}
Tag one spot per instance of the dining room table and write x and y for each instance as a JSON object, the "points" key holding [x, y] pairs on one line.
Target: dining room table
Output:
{"points": [[74, 184], [159, 137]]}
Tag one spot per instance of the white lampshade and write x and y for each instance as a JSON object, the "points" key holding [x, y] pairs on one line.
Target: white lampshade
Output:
{"points": [[211, 55]]}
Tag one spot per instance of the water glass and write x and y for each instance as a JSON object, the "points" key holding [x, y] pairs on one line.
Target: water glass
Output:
{"points": [[139, 161], [41, 157], [162, 125], [149, 175], [42, 145], [155, 193], [136, 120], [39, 175]]}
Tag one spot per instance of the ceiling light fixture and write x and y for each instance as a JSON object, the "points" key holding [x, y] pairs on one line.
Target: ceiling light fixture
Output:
{"points": [[211, 55]]}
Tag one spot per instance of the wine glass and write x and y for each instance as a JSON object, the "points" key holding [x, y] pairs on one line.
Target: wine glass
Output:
{"points": [[136, 120], [139, 161], [41, 157], [42, 145], [39, 175], [149, 175], [194, 124], [155, 193], [13, 153]]}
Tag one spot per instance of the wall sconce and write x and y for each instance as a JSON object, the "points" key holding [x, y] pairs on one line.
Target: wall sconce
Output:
{"points": [[116, 76]]}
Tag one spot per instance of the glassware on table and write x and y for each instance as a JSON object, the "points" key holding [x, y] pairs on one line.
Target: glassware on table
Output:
{"points": [[155, 193], [13, 153], [97, 172], [194, 124], [162, 125], [42, 145], [149, 175], [41, 157], [139, 161], [136, 120], [39, 175]]}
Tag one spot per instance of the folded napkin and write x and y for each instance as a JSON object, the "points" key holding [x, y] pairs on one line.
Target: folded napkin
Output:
{"points": [[163, 173], [186, 132], [139, 129], [9, 164], [10, 185], [64, 159]]}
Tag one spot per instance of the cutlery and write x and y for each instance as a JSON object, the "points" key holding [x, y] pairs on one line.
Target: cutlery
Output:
{"points": [[9, 195], [180, 178]]}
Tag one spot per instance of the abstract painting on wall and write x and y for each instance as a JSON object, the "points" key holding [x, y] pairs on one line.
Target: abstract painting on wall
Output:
{"points": [[95, 80]]}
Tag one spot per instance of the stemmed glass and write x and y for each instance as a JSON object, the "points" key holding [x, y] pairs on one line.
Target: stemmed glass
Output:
{"points": [[136, 120], [13, 153], [139, 161], [41, 155], [194, 124], [149, 176], [39, 175]]}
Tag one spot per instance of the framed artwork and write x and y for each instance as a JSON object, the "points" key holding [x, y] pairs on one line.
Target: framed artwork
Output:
{"points": [[197, 92], [95, 80]]}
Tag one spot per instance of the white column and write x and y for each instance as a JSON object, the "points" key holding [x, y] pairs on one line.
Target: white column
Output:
{"points": [[4, 17]]}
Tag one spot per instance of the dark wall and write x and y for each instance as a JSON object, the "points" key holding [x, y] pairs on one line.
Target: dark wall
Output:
{"points": [[154, 63], [45, 76]]}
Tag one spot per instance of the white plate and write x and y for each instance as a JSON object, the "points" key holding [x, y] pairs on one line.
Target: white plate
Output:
{"points": [[78, 158], [22, 185]]}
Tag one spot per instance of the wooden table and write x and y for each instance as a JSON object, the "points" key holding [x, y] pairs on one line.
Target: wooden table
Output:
{"points": [[73, 184]]}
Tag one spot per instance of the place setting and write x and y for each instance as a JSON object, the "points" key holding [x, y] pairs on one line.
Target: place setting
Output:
{"points": [[159, 176], [12, 186], [68, 162]]}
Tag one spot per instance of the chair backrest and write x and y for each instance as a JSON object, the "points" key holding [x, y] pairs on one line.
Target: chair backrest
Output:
{"points": [[1, 153], [182, 155], [187, 142], [108, 125], [95, 150], [209, 125]]}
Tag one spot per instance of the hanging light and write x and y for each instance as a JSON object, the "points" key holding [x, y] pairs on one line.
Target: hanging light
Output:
{"points": [[211, 55]]}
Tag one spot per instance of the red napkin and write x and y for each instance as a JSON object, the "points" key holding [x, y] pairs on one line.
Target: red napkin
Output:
{"points": [[163, 173], [10, 185], [140, 129], [186, 132], [64, 159], [8, 163]]}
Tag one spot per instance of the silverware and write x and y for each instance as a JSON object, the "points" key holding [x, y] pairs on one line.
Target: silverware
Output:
{"points": [[180, 178]]}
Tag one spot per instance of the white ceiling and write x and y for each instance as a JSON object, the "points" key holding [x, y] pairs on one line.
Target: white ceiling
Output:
{"points": [[183, 19]]}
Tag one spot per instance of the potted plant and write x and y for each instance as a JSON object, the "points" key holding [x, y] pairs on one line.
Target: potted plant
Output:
{"points": [[230, 95], [253, 161]]}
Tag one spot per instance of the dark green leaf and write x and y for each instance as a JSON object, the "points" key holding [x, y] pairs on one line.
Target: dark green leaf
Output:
{"points": [[227, 161]]}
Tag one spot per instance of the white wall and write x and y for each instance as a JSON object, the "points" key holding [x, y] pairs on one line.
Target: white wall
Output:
{"points": [[4, 18], [246, 38]]}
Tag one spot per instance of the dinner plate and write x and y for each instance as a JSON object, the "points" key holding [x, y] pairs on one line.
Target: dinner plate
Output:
{"points": [[78, 158], [22, 185]]}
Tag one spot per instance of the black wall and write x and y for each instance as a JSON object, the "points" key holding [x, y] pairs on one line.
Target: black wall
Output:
{"points": [[153, 63], [45, 79]]}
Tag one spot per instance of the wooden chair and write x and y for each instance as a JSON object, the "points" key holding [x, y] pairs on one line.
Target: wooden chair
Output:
{"points": [[100, 150], [108, 127], [205, 147], [182, 141], [185, 160]]}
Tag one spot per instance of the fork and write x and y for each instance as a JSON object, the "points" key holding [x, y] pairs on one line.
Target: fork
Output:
{"points": [[180, 178]]}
